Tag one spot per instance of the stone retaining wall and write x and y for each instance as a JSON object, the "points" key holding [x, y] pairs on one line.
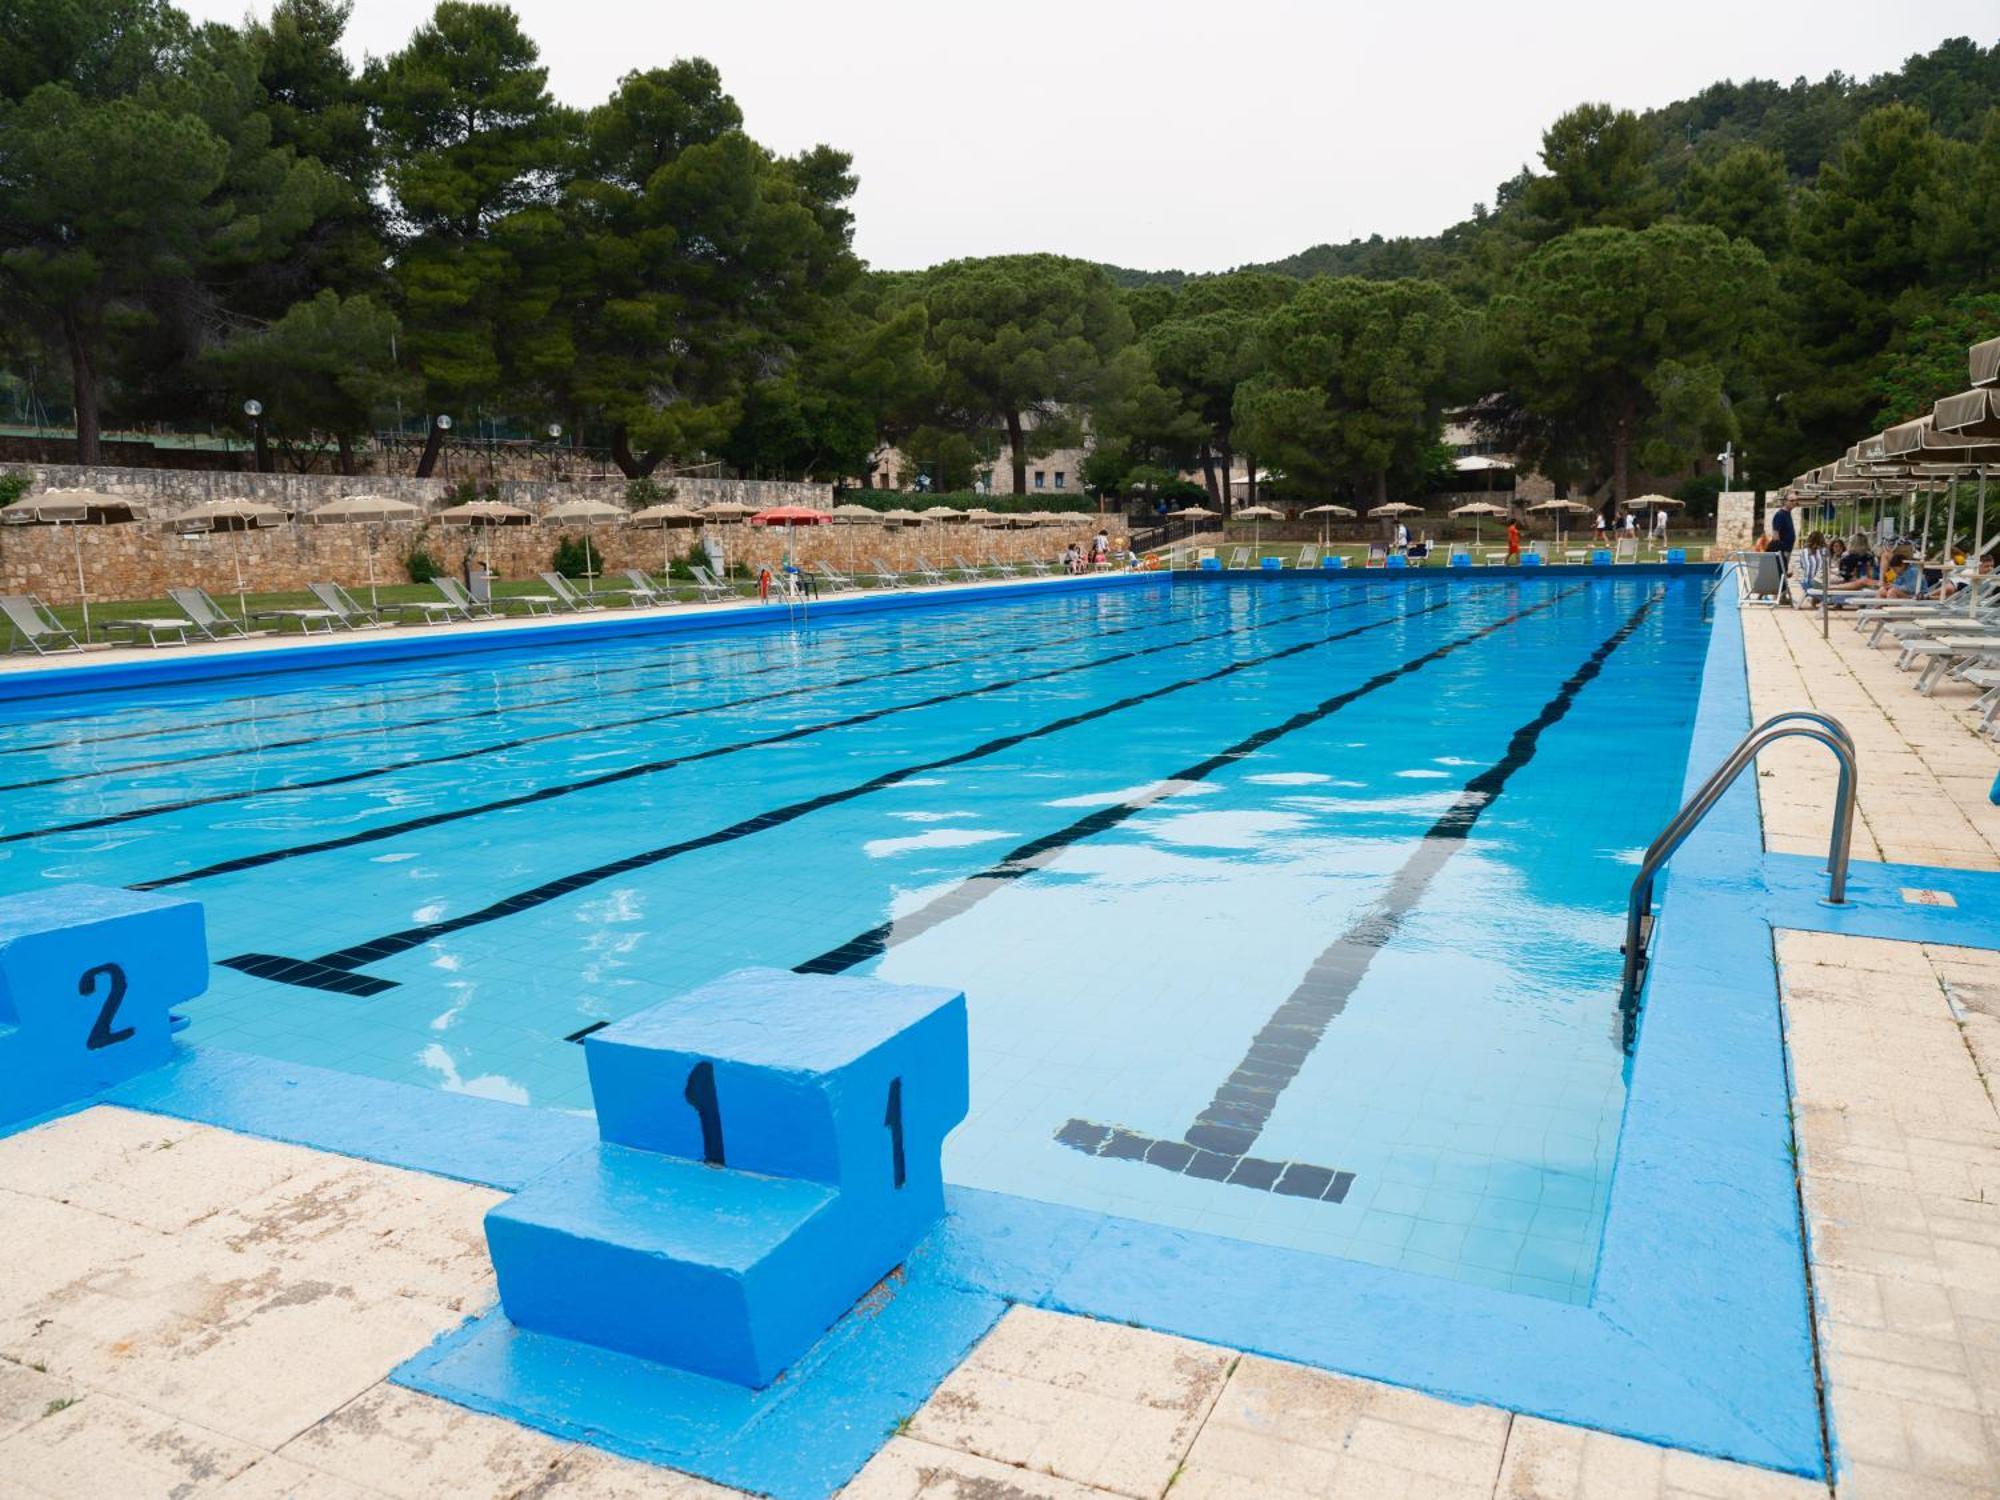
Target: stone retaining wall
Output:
{"points": [[167, 491], [141, 560]]}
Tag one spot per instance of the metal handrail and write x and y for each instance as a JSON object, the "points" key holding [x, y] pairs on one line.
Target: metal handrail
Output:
{"points": [[1801, 723], [1715, 584]]}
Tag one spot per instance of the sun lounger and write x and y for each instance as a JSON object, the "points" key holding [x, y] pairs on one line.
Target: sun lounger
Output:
{"points": [[1239, 558], [1378, 555], [1988, 705], [929, 574], [468, 607], [305, 617], [1308, 559], [152, 627], [207, 616], [1626, 550], [835, 580], [569, 594], [339, 603], [966, 569], [1037, 568], [34, 625], [643, 590], [1003, 569], [709, 586], [887, 577]]}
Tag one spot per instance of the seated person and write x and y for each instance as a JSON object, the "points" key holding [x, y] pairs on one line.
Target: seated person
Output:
{"points": [[1901, 577]]}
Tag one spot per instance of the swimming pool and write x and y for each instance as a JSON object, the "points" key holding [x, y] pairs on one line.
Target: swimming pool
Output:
{"points": [[1288, 910]]}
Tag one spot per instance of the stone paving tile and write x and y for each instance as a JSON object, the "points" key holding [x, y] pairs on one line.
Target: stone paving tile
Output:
{"points": [[102, 1446], [906, 1469], [1924, 767], [1899, 1158], [1546, 1461], [1092, 1402]]}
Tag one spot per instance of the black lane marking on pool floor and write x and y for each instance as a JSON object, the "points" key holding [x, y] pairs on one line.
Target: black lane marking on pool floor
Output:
{"points": [[370, 773], [1033, 855], [498, 711], [653, 767], [1217, 1146], [333, 971]]}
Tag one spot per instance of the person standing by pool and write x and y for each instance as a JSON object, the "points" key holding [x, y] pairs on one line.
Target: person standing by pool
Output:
{"points": [[1513, 544], [1660, 523], [1784, 537]]}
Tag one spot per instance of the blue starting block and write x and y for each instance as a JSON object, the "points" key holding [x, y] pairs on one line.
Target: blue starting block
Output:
{"points": [[87, 976], [1211, 565], [770, 1150], [1272, 564], [1461, 559], [1677, 556], [1531, 559], [1334, 560], [1601, 558], [1396, 560]]}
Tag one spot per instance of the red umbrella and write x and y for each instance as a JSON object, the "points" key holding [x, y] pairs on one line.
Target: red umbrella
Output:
{"points": [[791, 515]]}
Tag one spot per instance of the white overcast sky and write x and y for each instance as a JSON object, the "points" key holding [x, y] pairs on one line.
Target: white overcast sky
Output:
{"points": [[1180, 134]]}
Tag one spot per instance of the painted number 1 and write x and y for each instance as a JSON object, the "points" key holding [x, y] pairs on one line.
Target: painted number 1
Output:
{"points": [[894, 1120], [700, 1092], [101, 1034]]}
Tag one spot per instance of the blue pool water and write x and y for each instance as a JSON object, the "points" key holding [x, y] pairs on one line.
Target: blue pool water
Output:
{"points": [[1314, 886]]}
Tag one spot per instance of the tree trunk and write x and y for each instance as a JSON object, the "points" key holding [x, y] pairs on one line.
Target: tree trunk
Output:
{"points": [[84, 390], [631, 465], [1381, 487], [1017, 443], [346, 450], [1208, 474], [1228, 478], [433, 445], [1250, 468], [1621, 454]]}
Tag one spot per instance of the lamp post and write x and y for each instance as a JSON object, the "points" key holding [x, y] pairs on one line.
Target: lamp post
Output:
{"points": [[254, 410], [555, 439], [433, 445]]}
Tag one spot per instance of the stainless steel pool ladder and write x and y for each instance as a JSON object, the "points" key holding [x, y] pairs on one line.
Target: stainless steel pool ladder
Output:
{"points": [[1730, 565], [1802, 723]]}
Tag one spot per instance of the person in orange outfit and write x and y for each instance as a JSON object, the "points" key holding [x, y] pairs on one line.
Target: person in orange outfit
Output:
{"points": [[1513, 544]]}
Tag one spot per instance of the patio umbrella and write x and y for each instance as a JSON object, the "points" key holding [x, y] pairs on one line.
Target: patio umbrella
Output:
{"points": [[902, 515], [727, 510], [1191, 513], [665, 518], [789, 516], [1325, 513], [1258, 515], [589, 514], [74, 509], [1561, 508], [484, 516], [1479, 510], [372, 511], [231, 515], [856, 515]]}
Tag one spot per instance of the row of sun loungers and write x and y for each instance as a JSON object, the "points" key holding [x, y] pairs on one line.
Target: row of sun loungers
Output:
{"points": [[34, 627]]}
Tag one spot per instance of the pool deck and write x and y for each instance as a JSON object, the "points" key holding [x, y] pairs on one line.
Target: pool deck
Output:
{"points": [[191, 1311]]}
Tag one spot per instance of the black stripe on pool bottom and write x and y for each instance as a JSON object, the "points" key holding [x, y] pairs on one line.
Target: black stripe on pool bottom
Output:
{"points": [[1228, 1128], [237, 752], [1292, 1179], [310, 973], [1039, 852], [381, 831]]}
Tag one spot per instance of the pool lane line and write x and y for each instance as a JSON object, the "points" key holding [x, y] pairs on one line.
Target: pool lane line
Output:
{"points": [[345, 778], [1217, 1146], [644, 768], [674, 644], [1037, 853], [333, 971], [233, 752]]}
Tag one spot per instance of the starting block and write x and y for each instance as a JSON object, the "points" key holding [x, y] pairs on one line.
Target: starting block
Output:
{"points": [[88, 976], [769, 1150]]}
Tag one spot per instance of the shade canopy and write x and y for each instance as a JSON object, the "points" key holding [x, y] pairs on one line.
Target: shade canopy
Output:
{"points": [[362, 508], [230, 515], [1259, 513], [76, 507], [1568, 505], [1475, 463], [901, 515], [791, 515], [981, 517], [663, 515], [1331, 510], [1970, 414], [1479, 508], [857, 515], [1650, 502], [1191, 513], [582, 512], [485, 513], [1397, 508], [1983, 362], [727, 510]]}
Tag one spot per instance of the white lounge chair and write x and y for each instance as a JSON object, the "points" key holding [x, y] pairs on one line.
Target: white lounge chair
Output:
{"points": [[1239, 559], [887, 577], [468, 607], [153, 627], [337, 602], [834, 579], [708, 585], [643, 590], [208, 617], [34, 626]]}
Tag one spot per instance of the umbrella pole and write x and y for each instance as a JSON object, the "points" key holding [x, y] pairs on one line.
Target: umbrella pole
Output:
{"points": [[1978, 548], [82, 594], [242, 604]]}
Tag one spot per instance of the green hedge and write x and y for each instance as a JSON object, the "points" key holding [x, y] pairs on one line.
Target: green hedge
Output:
{"points": [[1066, 502]]}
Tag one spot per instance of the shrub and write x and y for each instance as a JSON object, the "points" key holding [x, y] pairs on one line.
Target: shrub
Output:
{"points": [[575, 557], [13, 487], [422, 564], [642, 492]]}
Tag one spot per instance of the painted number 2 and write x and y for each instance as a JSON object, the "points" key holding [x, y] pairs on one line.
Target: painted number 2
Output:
{"points": [[101, 1034]]}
